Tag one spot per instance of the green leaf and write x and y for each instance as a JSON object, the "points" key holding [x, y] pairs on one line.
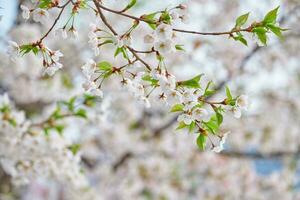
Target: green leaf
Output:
{"points": [[219, 110], [124, 53], [66, 79], [45, 3], [276, 30], [118, 51], [149, 78], [105, 66], [35, 50], [5, 109], [150, 20], [228, 93], [12, 122], [59, 129], [201, 141], [71, 103], [57, 114], [46, 130], [219, 118], [259, 30], [242, 40], [179, 47], [74, 148], [26, 48], [271, 16], [192, 126], [83, 4], [241, 20], [208, 92], [107, 42], [121, 50], [89, 100], [131, 4], [81, 113], [262, 37], [181, 125], [165, 17], [261, 34], [177, 108], [192, 83], [212, 125]]}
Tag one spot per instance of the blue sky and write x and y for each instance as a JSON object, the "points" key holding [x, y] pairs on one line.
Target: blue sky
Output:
{"points": [[8, 11]]}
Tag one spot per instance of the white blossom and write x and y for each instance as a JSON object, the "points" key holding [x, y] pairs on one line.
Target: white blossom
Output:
{"points": [[4, 100], [117, 41], [200, 114], [61, 32], [164, 31], [175, 15], [237, 112], [189, 95], [164, 46], [217, 149], [13, 50], [145, 101], [93, 88], [242, 102], [40, 15], [25, 12], [97, 92], [127, 40], [56, 55], [167, 82], [149, 39], [173, 97], [186, 118], [220, 147], [89, 68], [53, 68], [73, 33]]}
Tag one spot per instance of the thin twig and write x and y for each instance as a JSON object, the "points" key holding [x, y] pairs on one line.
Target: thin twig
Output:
{"points": [[55, 21], [138, 57], [103, 18]]}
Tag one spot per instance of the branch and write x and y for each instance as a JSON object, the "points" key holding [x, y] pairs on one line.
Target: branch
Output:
{"points": [[55, 21], [260, 155], [140, 19], [122, 160], [241, 68], [226, 153], [103, 18], [248, 29], [139, 58]]}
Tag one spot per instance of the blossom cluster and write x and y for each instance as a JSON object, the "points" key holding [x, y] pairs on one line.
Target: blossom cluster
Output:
{"points": [[114, 157], [27, 154], [50, 58]]}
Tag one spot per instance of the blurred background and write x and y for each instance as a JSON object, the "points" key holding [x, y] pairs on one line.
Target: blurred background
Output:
{"points": [[129, 152]]}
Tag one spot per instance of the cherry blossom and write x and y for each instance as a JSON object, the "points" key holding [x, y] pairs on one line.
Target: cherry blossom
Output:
{"points": [[25, 12], [40, 15], [13, 50], [139, 97]]}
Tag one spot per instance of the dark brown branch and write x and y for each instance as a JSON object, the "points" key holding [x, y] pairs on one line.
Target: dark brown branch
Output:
{"points": [[259, 155], [248, 29], [122, 160], [103, 18], [226, 153], [55, 21], [221, 85], [138, 57]]}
